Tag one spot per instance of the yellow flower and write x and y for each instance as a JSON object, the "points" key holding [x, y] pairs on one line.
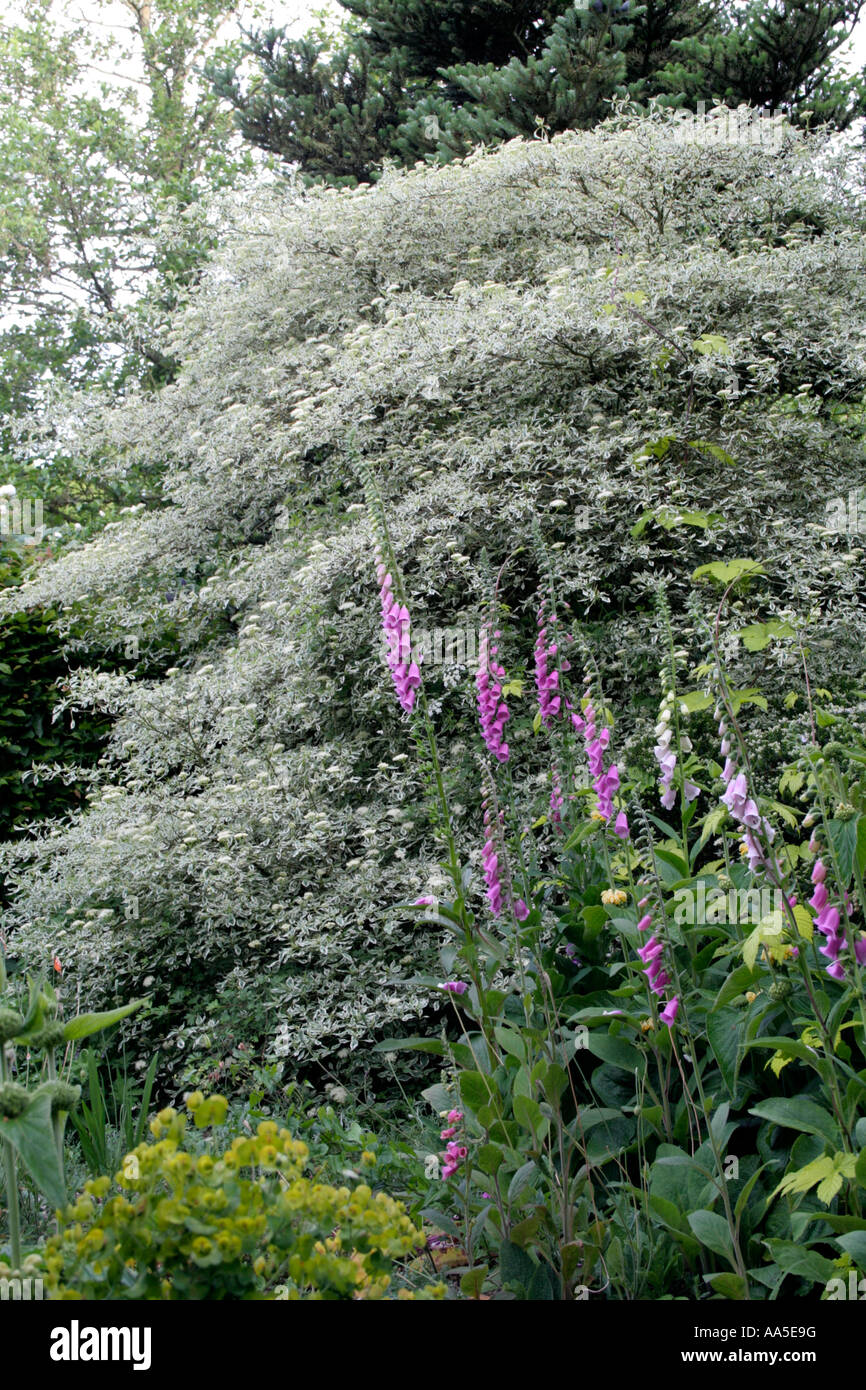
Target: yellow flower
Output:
{"points": [[752, 996], [646, 1025], [614, 897]]}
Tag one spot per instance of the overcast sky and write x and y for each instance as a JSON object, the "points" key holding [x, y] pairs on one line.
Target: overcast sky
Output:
{"points": [[297, 14]]}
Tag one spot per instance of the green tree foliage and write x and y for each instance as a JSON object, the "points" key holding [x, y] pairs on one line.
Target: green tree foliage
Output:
{"points": [[94, 161], [774, 55], [343, 110], [108, 141], [407, 80]]}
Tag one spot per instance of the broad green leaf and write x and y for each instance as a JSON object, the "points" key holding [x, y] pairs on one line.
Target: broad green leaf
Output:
{"points": [[489, 1158], [521, 1178], [796, 1259], [411, 1045], [712, 1231], [609, 1139], [714, 450], [752, 696], [32, 1135], [739, 980], [728, 1285], [757, 636], [476, 1090], [798, 1112], [555, 1083], [472, 1282], [617, 1051], [789, 1048], [641, 524], [438, 1098], [527, 1113], [729, 572], [724, 1028], [712, 345], [516, 1269], [510, 1041], [540, 1288], [855, 1245], [85, 1024], [696, 700], [844, 837]]}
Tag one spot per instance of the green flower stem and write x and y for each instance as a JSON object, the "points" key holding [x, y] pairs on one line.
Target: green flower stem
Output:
{"points": [[778, 881], [11, 1176], [56, 1120], [858, 884], [721, 1181]]}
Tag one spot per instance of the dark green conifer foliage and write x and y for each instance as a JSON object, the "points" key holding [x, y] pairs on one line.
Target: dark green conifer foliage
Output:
{"points": [[422, 79]]}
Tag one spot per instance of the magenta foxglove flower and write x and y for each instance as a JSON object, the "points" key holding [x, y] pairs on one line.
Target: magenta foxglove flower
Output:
{"points": [[552, 701], [740, 804], [651, 950], [494, 871], [557, 801], [669, 1012], [521, 911], [666, 752], [651, 954], [492, 711], [395, 624], [744, 810], [454, 987], [828, 923], [454, 1156], [490, 860], [546, 680], [605, 783], [621, 826]]}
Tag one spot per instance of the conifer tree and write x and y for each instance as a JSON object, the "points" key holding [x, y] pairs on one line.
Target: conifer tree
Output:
{"points": [[405, 80]]}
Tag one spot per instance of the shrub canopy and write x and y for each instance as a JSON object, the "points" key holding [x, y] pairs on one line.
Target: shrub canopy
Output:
{"points": [[651, 348]]}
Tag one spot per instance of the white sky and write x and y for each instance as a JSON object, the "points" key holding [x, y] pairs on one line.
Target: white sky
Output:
{"points": [[297, 15]]}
